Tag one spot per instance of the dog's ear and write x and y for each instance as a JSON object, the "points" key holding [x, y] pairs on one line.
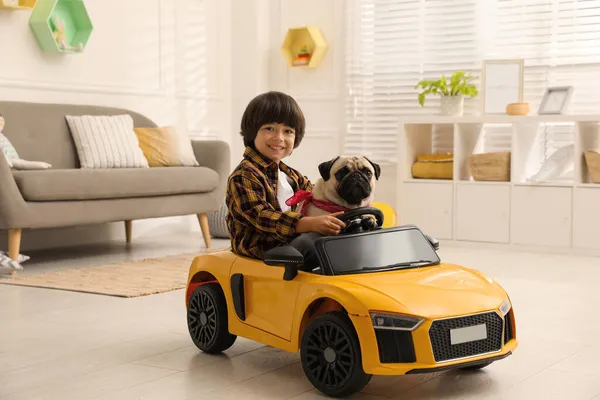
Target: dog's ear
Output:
{"points": [[325, 168], [375, 167]]}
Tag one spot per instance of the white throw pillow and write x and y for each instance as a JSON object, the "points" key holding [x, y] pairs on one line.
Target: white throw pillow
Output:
{"points": [[106, 141]]}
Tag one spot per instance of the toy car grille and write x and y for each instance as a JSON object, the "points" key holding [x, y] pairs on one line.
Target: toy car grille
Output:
{"points": [[508, 328], [443, 350], [395, 346]]}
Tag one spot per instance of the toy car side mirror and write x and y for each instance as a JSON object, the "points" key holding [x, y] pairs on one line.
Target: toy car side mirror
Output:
{"points": [[434, 242], [288, 257]]}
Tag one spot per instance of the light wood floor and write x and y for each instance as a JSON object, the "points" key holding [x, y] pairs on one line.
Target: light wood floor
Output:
{"points": [[73, 346]]}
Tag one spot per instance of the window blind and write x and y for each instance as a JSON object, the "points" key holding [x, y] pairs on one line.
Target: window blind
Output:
{"points": [[392, 44]]}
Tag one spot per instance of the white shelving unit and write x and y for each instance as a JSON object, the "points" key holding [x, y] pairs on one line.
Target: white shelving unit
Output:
{"points": [[561, 214]]}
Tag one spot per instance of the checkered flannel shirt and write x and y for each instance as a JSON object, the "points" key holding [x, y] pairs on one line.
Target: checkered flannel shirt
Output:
{"points": [[254, 219]]}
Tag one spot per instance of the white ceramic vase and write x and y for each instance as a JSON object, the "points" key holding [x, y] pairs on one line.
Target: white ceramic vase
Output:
{"points": [[452, 105]]}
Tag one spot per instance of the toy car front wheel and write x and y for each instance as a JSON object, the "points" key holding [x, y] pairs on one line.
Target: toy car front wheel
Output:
{"points": [[207, 319], [331, 357]]}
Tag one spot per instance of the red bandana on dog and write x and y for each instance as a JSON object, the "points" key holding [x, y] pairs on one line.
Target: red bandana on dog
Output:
{"points": [[307, 198]]}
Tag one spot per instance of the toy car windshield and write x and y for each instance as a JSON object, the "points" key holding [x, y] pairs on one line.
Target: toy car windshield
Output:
{"points": [[376, 251]]}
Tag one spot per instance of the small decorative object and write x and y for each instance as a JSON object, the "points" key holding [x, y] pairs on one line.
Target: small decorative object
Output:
{"points": [[502, 84], [517, 109], [453, 92], [433, 166], [303, 57], [61, 36], [592, 161], [556, 100], [490, 166], [304, 47]]}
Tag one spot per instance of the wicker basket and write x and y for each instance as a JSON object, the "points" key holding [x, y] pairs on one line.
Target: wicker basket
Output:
{"points": [[592, 160], [433, 166], [490, 166], [217, 223]]}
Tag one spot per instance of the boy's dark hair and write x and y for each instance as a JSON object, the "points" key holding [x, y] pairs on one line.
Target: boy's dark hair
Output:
{"points": [[271, 108]]}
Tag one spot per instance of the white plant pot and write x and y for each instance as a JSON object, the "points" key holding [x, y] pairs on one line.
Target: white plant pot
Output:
{"points": [[452, 105]]}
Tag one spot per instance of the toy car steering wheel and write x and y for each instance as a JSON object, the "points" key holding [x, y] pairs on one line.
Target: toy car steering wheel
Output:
{"points": [[353, 219]]}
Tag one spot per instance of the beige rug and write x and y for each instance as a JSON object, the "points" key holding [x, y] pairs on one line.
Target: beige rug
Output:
{"points": [[126, 279]]}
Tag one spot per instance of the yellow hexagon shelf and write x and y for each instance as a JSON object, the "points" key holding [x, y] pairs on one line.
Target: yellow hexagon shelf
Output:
{"points": [[18, 4], [304, 47]]}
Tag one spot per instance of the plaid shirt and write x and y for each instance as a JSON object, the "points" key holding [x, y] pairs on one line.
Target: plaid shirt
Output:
{"points": [[255, 220]]}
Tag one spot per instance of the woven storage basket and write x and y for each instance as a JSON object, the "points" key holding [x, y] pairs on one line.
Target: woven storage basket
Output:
{"points": [[217, 223], [592, 160], [490, 166], [433, 166]]}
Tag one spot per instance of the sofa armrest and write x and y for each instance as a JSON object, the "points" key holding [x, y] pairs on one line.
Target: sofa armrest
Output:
{"points": [[12, 205], [216, 155]]}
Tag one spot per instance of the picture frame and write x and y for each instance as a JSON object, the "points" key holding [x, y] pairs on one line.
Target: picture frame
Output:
{"points": [[556, 100], [501, 84]]}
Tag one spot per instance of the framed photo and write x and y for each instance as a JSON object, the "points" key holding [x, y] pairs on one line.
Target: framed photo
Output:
{"points": [[501, 84], [556, 100]]}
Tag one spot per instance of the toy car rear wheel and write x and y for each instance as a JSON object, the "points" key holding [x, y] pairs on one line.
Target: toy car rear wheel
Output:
{"points": [[331, 356], [207, 319]]}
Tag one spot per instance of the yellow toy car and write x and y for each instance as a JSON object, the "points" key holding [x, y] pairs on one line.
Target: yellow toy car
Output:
{"points": [[380, 303]]}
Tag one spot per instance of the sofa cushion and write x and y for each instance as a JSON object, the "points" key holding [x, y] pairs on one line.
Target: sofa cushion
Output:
{"points": [[106, 141], [94, 184]]}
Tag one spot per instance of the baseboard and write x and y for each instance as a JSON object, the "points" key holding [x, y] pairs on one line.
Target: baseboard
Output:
{"points": [[520, 248]]}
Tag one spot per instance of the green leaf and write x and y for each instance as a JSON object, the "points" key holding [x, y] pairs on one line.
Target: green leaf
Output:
{"points": [[422, 99]]}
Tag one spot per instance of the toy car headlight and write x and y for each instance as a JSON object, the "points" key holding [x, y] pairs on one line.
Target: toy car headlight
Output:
{"points": [[395, 322], [505, 307]]}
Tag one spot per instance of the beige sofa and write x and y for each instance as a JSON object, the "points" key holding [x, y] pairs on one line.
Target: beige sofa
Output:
{"points": [[67, 195]]}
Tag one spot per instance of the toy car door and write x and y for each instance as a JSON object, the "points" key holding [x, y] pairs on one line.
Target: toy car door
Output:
{"points": [[261, 297]]}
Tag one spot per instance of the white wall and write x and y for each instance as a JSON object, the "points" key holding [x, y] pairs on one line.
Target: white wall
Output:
{"points": [[320, 91], [145, 55], [150, 56]]}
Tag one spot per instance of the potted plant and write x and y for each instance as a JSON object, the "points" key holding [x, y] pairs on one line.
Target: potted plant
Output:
{"points": [[452, 93]]}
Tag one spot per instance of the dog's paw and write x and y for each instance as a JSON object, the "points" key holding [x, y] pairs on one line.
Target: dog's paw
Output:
{"points": [[369, 222]]}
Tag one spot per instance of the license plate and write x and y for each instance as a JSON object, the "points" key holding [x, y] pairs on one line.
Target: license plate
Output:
{"points": [[468, 334]]}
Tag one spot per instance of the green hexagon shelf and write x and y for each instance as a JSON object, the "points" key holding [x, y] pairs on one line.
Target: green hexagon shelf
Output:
{"points": [[304, 47], [62, 26]]}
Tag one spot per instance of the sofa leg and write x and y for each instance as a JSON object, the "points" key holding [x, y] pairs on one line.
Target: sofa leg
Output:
{"points": [[203, 219], [14, 243], [128, 226]]}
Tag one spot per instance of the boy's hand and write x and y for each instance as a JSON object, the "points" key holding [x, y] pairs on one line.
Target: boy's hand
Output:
{"points": [[324, 224]]}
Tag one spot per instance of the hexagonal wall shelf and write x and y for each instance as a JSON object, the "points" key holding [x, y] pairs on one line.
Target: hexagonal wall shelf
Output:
{"points": [[17, 4], [304, 47], [62, 26]]}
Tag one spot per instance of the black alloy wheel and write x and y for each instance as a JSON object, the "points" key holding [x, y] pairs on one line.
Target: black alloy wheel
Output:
{"points": [[331, 357], [207, 319]]}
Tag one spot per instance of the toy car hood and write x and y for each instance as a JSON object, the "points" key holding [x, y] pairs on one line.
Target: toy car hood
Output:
{"points": [[430, 292]]}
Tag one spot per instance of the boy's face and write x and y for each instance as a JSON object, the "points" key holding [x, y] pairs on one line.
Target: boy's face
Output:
{"points": [[275, 141]]}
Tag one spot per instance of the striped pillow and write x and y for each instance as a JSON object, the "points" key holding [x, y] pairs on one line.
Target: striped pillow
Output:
{"points": [[106, 141]]}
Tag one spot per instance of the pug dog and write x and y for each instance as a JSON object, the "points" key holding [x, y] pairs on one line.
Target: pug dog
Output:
{"points": [[346, 183]]}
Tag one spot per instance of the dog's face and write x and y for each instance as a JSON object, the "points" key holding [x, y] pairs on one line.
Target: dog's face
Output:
{"points": [[350, 179]]}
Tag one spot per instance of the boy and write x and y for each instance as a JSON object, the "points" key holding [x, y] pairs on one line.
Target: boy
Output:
{"points": [[258, 218]]}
